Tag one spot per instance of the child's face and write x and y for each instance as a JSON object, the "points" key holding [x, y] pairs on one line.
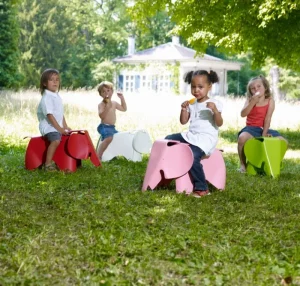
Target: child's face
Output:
{"points": [[53, 83], [106, 92], [257, 86], [200, 87]]}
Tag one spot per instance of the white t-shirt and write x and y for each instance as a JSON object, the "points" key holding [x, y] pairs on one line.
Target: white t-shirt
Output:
{"points": [[203, 132], [51, 103]]}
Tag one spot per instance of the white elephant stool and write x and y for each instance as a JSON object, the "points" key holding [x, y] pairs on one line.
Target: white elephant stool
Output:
{"points": [[171, 160], [130, 144]]}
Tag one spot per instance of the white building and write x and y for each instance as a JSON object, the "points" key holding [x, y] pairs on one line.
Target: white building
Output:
{"points": [[162, 68]]}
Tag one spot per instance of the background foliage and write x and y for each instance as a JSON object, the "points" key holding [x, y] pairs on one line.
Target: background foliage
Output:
{"points": [[80, 38], [9, 52], [269, 28], [262, 29]]}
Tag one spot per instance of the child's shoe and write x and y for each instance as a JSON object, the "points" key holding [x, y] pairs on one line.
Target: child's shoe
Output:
{"points": [[51, 167], [199, 194]]}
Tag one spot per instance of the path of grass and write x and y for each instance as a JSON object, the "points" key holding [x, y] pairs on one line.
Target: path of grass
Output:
{"points": [[96, 227]]}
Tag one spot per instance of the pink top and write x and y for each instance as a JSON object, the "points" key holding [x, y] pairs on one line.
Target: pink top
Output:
{"points": [[257, 115]]}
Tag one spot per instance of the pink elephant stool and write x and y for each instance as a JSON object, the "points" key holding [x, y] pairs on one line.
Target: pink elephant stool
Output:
{"points": [[71, 150], [171, 160]]}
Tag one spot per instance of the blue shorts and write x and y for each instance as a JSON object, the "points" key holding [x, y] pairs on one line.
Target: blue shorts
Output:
{"points": [[106, 130], [257, 131], [53, 136]]}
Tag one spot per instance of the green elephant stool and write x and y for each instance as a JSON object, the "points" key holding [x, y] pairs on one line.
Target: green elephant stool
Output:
{"points": [[264, 155]]}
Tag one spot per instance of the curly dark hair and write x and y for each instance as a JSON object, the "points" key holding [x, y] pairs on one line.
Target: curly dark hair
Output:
{"points": [[211, 75]]}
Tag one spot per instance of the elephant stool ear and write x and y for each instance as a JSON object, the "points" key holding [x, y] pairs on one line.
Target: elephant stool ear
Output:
{"points": [[78, 146], [142, 142], [178, 160]]}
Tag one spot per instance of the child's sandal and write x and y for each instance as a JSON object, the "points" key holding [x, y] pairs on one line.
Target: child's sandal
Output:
{"points": [[51, 167]]}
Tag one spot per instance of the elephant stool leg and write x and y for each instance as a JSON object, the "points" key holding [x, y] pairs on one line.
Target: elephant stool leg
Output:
{"points": [[169, 160], [184, 184], [35, 154], [215, 169], [61, 157]]}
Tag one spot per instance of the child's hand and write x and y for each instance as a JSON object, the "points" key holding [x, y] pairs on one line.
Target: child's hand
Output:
{"points": [[212, 106], [68, 129], [106, 99], [108, 103], [185, 104], [120, 94], [65, 131], [257, 96]]}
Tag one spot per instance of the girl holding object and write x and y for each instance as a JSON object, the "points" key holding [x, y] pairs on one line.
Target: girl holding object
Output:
{"points": [[258, 110], [205, 119]]}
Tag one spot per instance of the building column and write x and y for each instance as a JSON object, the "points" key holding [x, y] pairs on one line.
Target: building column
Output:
{"points": [[222, 82]]}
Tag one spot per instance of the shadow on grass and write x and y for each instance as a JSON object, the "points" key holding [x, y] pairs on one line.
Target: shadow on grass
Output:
{"points": [[293, 137]]}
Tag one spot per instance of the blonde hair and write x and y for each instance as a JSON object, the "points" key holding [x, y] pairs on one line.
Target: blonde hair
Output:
{"points": [[265, 84], [106, 84]]}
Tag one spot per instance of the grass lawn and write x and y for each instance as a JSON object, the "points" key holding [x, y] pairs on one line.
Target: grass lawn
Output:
{"points": [[96, 227]]}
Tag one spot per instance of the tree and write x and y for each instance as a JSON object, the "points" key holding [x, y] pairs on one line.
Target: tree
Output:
{"points": [[73, 36], [285, 83], [52, 37], [268, 28], [155, 32], [9, 53]]}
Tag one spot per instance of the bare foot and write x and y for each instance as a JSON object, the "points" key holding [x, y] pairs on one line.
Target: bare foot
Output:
{"points": [[242, 169]]}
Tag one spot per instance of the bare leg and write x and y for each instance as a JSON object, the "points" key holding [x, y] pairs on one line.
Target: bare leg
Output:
{"points": [[245, 136], [50, 151], [103, 145]]}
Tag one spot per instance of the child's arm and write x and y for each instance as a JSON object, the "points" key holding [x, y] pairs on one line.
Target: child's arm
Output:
{"points": [[65, 125], [250, 103], [103, 108], [216, 113], [54, 123], [267, 121], [184, 114], [123, 105], [218, 118]]}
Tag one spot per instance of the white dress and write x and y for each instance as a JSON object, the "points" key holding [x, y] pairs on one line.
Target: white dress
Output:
{"points": [[203, 132]]}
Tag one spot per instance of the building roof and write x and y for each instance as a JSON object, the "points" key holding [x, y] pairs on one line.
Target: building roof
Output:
{"points": [[166, 52], [175, 52]]}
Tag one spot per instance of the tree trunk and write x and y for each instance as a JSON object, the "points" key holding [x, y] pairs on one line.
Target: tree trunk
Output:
{"points": [[275, 76]]}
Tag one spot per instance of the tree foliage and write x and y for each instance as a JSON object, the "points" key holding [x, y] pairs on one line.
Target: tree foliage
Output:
{"points": [[9, 53], [155, 31], [72, 36], [79, 38], [269, 28]]}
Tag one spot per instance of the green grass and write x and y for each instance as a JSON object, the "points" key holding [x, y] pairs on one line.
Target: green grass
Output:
{"points": [[96, 226]]}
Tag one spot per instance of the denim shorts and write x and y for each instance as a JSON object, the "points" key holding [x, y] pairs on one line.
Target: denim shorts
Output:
{"points": [[53, 136], [106, 130], [257, 131]]}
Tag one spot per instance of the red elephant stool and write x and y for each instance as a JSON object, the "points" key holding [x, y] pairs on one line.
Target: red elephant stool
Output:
{"points": [[68, 155], [171, 160]]}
